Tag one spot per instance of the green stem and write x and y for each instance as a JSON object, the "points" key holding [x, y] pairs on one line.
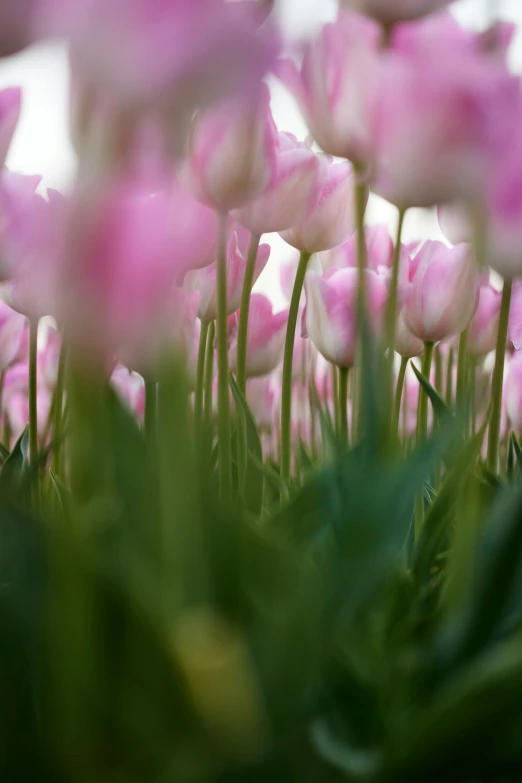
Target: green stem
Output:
{"points": [[398, 393], [360, 210], [242, 330], [438, 369], [200, 377], [151, 409], [209, 377], [335, 395], [343, 403], [58, 413], [224, 432], [33, 381], [391, 305], [498, 379], [286, 394], [462, 362], [422, 431], [449, 379]]}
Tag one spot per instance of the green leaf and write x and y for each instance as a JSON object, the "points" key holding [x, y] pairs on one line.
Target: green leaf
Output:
{"points": [[517, 450], [15, 465], [252, 481], [440, 408]]}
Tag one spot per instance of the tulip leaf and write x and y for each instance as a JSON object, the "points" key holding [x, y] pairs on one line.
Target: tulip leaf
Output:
{"points": [[15, 465], [252, 481], [517, 449], [440, 408]]}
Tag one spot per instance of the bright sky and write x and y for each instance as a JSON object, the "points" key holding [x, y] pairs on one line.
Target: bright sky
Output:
{"points": [[42, 146]]}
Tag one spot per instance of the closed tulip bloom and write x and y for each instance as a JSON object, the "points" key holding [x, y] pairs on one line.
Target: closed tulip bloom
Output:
{"points": [[379, 253], [389, 12], [266, 336], [232, 152], [442, 124], [262, 399], [454, 222], [483, 327], [331, 311], [406, 344], [444, 294], [130, 388], [12, 333], [293, 192], [515, 316], [333, 218], [513, 392], [337, 85], [203, 281]]}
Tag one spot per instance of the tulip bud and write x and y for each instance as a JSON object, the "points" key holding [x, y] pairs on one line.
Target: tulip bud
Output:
{"points": [[333, 218], [331, 311], [232, 152], [512, 396], [444, 294], [266, 336], [130, 388], [261, 396], [406, 344], [292, 193], [12, 328], [483, 327]]}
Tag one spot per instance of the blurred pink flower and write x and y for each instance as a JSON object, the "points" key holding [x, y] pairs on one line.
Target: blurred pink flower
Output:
{"points": [[130, 388], [203, 281], [406, 344], [513, 391], [12, 333], [261, 396], [266, 336], [483, 327], [332, 219], [444, 293], [337, 85], [331, 305], [10, 107], [293, 192], [232, 152]]}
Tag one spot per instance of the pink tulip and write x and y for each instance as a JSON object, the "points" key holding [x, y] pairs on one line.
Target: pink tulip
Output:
{"points": [[442, 123], [331, 305], [21, 211], [130, 388], [515, 316], [333, 218], [406, 344], [444, 294], [454, 222], [266, 336], [128, 241], [483, 327], [292, 193], [10, 107], [379, 250], [337, 85], [513, 392], [180, 54], [261, 396], [232, 152], [390, 12], [12, 331], [49, 357], [203, 281]]}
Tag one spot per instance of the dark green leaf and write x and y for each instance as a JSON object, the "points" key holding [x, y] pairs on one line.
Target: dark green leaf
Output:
{"points": [[252, 481]]}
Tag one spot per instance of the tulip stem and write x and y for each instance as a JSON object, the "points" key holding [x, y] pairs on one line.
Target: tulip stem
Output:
{"points": [[33, 383], [151, 409], [360, 211], [449, 380], [244, 310], [286, 395], [200, 377], [58, 413], [391, 305], [422, 431], [343, 403], [209, 377], [224, 432], [398, 394], [498, 379], [462, 362]]}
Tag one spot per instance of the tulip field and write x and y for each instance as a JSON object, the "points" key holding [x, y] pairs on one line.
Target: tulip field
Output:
{"points": [[249, 537]]}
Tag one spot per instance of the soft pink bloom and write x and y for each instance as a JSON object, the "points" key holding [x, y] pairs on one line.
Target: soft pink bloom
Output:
{"points": [[483, 327], [454, 222], [130, 387], [333, 218], [444, 293], [203, 281], [515, 316], [266, 337], [262, 398], [406, 344], [379, 250], [21, 216], [232, 152], [391, 11], [49, 357], [337, 85], [180, 54], [331, 311], [513, 391], [10, 106], [12, 332], [292, 193], [128, 241], [442, 123]]}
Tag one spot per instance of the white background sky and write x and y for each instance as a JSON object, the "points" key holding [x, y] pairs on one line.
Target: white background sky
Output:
{"points": [[41, 145]]}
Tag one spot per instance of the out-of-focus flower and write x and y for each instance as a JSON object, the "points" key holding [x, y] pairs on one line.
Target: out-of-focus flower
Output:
{"points": [[444, 293], [390, 12], [130, 387], [406, 344], [483, 327], [333, 218], [515, 316], [10, 107], [513, 391], [49, 357], [379, 250], [442, 123], [454, 222], [261, 396], [331, 311], [15, 401], [12, 330], [203, 281], [293, 192], [232, 152], [178, 55], [337, 85], [265, 340]]}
